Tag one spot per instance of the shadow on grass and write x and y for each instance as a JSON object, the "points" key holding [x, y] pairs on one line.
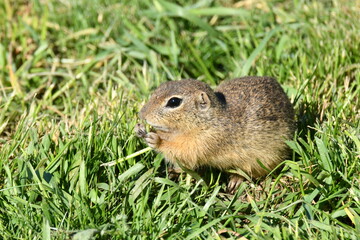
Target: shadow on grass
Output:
{"points": [[307, 115]]}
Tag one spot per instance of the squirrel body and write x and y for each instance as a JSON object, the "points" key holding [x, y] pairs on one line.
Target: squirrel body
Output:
{"points": [[245, 120]]}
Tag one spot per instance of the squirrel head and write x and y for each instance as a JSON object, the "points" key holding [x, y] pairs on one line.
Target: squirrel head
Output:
{"points": [[179, 106]]}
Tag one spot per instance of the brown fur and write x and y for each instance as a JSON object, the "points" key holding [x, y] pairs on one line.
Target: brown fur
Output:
{"points": [[242, 121]]}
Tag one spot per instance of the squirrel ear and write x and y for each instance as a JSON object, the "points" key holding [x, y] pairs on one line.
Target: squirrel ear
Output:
{"points": [[203, 101]]}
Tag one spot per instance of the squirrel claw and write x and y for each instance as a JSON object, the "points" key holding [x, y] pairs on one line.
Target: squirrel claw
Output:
{"points": [[152, 139], [234, 183], [174, 171], [140, 130]]}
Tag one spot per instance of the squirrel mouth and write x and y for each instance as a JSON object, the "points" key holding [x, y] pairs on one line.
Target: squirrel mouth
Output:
{"points": [[158, 128]]}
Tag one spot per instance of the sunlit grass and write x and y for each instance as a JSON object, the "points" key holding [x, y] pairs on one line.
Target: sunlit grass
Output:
{"points": [[74, 74]]}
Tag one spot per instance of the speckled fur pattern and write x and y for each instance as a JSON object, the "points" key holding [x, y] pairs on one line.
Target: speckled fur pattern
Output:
{"points": [[248, 119]]}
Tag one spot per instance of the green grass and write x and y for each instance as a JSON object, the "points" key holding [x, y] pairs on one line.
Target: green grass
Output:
{"points": [[74, 74]]}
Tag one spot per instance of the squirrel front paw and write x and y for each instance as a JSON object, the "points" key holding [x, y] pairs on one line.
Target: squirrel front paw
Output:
{"points": [[140, 130], [152, 139]]}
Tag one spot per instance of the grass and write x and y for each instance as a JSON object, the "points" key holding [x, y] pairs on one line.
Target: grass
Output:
{"points": [[74, 74]]}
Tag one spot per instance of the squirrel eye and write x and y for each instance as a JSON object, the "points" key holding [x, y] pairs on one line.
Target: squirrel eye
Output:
{"points": [[174, 102]]}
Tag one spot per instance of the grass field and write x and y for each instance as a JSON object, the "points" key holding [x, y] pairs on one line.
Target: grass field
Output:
{"points": [[74, 74]]}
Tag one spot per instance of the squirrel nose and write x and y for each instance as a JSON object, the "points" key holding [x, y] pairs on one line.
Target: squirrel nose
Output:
{"points": [[141, 113], [145, 111]]}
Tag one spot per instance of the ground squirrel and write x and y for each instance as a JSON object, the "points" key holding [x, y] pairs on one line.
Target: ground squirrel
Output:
{"points": [[245, 120]]}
